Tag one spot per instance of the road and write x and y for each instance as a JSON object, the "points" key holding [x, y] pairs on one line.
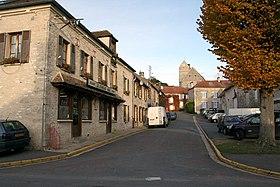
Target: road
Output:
{"points": [[175, 156]]}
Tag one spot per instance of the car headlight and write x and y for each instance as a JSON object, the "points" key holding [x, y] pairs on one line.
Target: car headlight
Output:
{"points": [[230, 126]]}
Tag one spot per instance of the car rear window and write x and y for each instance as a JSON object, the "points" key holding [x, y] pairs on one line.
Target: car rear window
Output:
{"points": [[12, 126]]}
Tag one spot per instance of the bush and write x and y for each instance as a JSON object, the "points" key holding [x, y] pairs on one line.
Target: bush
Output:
{"points": [[190, 107]]}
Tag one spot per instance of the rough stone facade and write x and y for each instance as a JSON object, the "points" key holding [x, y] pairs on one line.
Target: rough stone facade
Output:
{"points": [[188, 76]]}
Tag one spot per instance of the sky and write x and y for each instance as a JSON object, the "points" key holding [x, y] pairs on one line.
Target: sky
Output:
{"points": [[156, 33]]}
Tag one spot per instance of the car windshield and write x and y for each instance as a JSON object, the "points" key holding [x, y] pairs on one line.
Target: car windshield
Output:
{"points": [[12, 125], [232, 119]]}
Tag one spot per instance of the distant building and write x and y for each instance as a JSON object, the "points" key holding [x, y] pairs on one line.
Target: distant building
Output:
{"points": [[205, 94], [175, 97], [188, 76]]}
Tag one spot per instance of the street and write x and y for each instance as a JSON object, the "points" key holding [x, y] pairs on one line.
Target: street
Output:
{"points": [[175, 156]]}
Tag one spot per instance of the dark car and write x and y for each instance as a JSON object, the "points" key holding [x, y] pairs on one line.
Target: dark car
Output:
{"points": [[249, 127], [13, 135], [168, 115], [224, 122], [173, 115]]}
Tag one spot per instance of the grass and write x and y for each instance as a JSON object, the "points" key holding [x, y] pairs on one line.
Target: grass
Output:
{"points": [[246, 146]]}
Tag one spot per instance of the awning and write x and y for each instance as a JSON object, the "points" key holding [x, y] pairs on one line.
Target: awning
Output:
{"points": [[66, 81]]}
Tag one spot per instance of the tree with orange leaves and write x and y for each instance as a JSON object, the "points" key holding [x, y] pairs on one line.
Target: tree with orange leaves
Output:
{"points": [[245, 35]]}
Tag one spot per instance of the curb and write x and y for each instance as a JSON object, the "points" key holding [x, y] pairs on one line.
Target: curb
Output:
{"points": [[235, 164], [71, 154]]}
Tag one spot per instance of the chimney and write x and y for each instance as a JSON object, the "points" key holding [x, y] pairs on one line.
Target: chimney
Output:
{"points": [[218, 79], [189, 65], [141, 73]]}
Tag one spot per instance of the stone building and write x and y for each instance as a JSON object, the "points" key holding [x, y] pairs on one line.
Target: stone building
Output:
{"points": [[65, 83], [188, 76], [233, 97], [205, 94]]}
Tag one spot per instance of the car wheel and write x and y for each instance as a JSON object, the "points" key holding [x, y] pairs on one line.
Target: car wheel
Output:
{"points": [[239, 134], [225, 132]]}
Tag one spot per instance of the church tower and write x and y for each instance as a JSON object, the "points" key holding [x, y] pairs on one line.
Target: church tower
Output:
{"points": [[188, 76]]}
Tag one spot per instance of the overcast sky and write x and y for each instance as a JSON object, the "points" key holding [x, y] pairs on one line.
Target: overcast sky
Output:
{"points": [[159, 33]]}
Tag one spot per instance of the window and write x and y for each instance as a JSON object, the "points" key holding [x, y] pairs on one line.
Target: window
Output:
{"points": [[135, 113], [114, 112], [86, 108], [135, 89], [86, 65], [126, 113], [145, 94], [204, 95], [102, 74], [14, 47], [170, 100], [63, 105], [114, 79], [140, 92], [204, 105], [215, 104], [215, 95], [140, 114], [102, 110], [66, 55], [126, 86]]}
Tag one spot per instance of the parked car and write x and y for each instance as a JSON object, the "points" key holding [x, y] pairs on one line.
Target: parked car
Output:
{"points": [[250, 127], [225, 121], [168, 115], [173, 115], [214, 118], [13, 135]]}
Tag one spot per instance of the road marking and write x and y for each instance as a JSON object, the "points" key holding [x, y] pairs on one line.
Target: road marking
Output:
{"points": [[153, 179]]}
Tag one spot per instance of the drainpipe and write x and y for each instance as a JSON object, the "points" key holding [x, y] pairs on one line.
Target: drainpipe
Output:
{"points": [[44, 140]]}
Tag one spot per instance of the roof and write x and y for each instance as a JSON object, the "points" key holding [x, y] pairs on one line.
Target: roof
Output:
{"points": [[65, 80], [12, 4], [213, 84], [174, 90], [104, 33]]}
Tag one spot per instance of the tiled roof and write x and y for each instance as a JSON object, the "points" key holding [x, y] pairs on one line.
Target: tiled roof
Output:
{"points": [[174, 90], [213, 84]]}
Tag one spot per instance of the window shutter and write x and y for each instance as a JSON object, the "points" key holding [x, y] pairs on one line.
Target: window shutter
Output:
{"points": [[91, 67], [81, 62], [25, 48], [72, 60], [99, 72], [106, 74], [2, 46], [60, 48]]}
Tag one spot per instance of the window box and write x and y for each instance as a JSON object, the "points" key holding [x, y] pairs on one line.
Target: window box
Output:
{"points": [[10, 61]]}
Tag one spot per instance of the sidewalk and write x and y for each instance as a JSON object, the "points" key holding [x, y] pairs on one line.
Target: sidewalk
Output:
{"points": [[263, 161], [26, 157]]}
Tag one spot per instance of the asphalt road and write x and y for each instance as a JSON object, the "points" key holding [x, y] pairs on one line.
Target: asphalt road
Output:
{"points": [[175, 156]]}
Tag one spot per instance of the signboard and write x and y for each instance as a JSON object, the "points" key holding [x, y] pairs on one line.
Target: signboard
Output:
{"points": [[99, 86]]}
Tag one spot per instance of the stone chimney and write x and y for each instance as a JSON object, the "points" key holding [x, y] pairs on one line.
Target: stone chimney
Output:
{"points": [[141, 73]]}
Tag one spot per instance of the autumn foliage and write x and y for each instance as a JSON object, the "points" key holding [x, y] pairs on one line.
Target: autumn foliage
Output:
{"points": [[246, 35]]}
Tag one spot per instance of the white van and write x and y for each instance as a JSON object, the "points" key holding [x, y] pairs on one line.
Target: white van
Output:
{"points": [[157, 116]]}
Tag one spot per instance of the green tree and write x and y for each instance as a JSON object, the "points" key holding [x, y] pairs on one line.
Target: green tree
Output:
{"points": [[245, 34]]}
